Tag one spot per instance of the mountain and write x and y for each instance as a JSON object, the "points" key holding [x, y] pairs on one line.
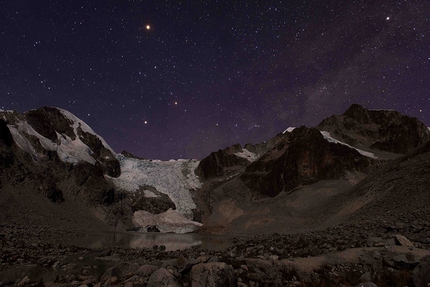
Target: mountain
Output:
{"points": [[295, 180], [49, 154], [56, 171]]}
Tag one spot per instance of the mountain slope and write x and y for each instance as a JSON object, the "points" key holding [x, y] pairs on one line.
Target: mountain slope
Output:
{"points": [[51, 153], [296, 181]]}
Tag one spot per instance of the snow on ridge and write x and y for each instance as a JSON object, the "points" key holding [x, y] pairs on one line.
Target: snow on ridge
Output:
{"points": [[328, 137], [77, 122], [174, 178], [68, 150], [289, 130], [250, 156]]}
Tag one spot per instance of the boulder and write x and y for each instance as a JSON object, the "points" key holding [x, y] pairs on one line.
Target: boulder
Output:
{"points": [[146, 270], [215, 274], [119, 271], [421, 274], [403, 241], [162, 278]]}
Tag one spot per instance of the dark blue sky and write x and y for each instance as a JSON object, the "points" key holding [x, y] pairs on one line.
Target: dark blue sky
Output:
{"points": [[209, 74]]}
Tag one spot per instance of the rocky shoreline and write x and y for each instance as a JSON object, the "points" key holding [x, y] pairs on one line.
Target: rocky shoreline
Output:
{"points": [[348, 255]]}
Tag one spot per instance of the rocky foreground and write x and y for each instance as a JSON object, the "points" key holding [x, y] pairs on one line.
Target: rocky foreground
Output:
{"points": [[369, 253]]}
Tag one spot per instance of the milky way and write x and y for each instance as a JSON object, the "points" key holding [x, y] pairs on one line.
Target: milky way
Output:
{"points": [[180, 79]]}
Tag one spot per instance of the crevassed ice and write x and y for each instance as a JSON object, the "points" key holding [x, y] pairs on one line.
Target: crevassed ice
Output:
{"points": [[175, 178]]}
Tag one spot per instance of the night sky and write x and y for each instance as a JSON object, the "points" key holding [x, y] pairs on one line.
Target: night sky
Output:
{"points": [[181, 79]]}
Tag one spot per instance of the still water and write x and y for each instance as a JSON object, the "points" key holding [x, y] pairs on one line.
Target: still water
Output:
{"points": [[172, 241], [97, 267]]}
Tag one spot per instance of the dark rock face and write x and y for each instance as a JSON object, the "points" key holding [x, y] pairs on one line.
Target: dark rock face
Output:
{"points": [[305, 157], [51, 191], [47, 121], [217, 164], [5, 136], [381, 129], [110, 164], [155, 205]]}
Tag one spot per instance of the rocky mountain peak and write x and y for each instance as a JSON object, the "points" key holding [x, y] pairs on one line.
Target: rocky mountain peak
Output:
{"points": [[221, 163], [305, 157], [49, 121], [385, 130]]}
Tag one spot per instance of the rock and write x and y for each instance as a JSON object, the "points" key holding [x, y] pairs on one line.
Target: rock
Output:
{"points": [[217, 164], [119, 271], [403, 241], [421, 274], [212, 275], [169, 221], [382, 129], [405, 262], [367, 284], [365, 277], [24, 281], [146, 270], [304, 157], [162, 278], [373, 241]]}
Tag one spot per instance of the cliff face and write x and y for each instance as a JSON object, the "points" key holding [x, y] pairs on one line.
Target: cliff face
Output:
{"points": [[221, 163], [377, 129], [305, 157]]}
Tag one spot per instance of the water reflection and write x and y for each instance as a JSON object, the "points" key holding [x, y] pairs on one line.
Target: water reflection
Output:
{"points": [[171, 241]]}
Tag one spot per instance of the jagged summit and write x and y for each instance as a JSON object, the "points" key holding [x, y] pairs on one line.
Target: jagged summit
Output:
{"points": [[49, 152], [384, 130]]}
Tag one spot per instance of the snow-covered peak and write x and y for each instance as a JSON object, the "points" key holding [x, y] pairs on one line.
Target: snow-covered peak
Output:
{"points": [[78, 123], [68, 149], [328, 137], [289, 130]]}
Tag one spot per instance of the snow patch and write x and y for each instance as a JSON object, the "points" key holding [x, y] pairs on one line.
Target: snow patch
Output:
{"points": [[289, 130], [68, 150], [77, 122], [175, 178], [250, 156], [328, 137]]}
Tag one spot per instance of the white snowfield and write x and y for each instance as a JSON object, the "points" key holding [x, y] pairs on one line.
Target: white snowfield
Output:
{"points": [[175, 178], [69, 150], [328, 137], [250, 156]]}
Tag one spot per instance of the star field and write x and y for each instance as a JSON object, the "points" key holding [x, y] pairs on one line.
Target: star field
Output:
{"points": [[180, 79]]}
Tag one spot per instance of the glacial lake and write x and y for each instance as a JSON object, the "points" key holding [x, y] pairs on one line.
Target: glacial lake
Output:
{"points": [[172, 241]]}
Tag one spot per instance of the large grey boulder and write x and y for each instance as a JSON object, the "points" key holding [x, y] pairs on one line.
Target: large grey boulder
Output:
{"points": [[214, 274], [162, 278]]}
